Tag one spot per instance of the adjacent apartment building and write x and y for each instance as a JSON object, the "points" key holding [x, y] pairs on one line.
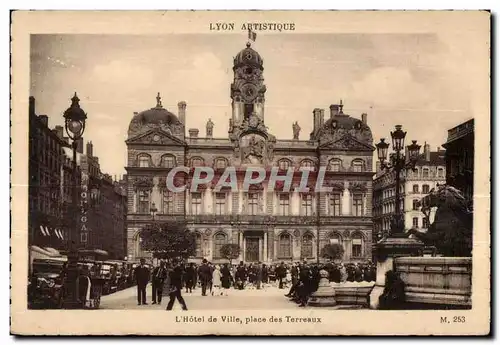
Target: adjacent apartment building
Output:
{"points": [[430, 171]]}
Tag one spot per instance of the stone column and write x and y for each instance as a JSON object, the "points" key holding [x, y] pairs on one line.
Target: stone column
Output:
{"points": [[260, 249], [265, 259], [240, 243], [275, 248], [207, 201], [364, 204], [243, 250]]}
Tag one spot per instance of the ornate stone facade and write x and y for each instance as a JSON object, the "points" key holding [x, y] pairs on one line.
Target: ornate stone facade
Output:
{"points": [[269, 225]]}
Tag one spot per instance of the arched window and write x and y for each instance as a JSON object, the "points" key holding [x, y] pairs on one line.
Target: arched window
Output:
{"points": [[415, 188], [307, 163], [197, 162], [168, 161], [220, 163], [219, 241], [199, 245], [425, 189], [425, 172], [415, 205], [285, 246], [284, 164], [358, 165], [307, 246], [144, 160], [335, 238], [357, 246], [335, 164]]}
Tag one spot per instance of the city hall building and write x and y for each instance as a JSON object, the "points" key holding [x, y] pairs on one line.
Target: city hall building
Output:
{"points": [[269, 226]]}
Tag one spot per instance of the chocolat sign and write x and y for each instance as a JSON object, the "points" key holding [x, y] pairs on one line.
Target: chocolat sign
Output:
{"points": [[83, 208]]}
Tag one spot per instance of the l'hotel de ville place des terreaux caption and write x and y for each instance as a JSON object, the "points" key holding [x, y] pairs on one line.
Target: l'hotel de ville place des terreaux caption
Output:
{"points": [[331, 218]]}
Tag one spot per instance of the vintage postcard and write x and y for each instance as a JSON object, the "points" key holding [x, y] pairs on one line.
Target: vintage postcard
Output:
{"points": [[250, 173]]}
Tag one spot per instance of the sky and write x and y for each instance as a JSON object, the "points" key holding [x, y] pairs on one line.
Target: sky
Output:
{"points": [[416, 80]]}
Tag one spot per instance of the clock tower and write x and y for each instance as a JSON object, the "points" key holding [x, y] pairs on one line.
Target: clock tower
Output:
{"points": [[247, 89]]}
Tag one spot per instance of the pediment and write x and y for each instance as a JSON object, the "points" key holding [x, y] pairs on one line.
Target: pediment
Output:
{"points": [[347, 142], [156, 137]]}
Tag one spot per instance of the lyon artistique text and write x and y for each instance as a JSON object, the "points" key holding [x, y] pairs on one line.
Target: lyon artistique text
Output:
{"points": [[228, 26]]}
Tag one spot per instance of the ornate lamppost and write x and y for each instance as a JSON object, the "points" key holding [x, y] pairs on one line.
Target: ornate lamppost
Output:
{"points": [[397, 243], [398, 163], [74, 120]]}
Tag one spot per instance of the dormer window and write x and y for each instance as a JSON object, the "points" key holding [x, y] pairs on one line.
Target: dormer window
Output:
{"points": [[284, 164], [168, 161], [335, 165], [220, 163], [358, 165], [197, 162], [144, 161]]}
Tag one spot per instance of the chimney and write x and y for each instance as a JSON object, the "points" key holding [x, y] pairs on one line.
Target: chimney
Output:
{"points": [[364, 118], [79, 147], [321, 117], [334, 110], [182, 111], [316, 119], [90, 147], [44, 119], [427, 152], [59, 130], [32, 105], [193, 133]]}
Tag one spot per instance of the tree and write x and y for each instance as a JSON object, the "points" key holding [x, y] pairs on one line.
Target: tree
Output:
{"points": [[230, 251], [168, 240], [332, 251]]}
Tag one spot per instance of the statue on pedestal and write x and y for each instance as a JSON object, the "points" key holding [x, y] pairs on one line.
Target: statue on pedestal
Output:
{"points": [[296, 130], [210, 128]]}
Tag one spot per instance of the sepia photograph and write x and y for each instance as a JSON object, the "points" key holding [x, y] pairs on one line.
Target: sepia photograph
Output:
{"points": [[251, 173]]}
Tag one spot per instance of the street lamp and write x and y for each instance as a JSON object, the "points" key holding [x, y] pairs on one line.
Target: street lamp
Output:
{"points": [[398, 162], [74, 120]]}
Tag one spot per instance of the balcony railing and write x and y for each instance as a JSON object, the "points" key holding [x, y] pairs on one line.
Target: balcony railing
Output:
{"points": [[231, 219]]}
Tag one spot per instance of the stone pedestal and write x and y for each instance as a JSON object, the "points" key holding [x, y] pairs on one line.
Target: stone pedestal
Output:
{"points": [[387, 250], [325, 295]]}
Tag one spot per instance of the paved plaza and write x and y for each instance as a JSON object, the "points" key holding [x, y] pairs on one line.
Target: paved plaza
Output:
{"points": [[269, 298]]}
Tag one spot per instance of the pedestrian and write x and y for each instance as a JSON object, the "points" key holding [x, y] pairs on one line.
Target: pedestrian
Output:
{"points": [[176, 286], [258, 275], [158, 278], [343, 273], [281, 274], [216, 281], [226, 278], [142, 280], [190, 277], [205, 276]]}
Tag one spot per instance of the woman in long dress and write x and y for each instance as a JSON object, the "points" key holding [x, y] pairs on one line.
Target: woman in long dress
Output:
{"points": [[226, 278], [216, 281]]}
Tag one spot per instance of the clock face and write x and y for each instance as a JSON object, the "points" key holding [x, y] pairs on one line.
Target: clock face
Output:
{"points": [[249, 92], [156, 137]]}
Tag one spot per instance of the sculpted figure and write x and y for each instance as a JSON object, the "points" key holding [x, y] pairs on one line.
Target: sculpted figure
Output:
{"points": [[296, 130], [210, 128]]}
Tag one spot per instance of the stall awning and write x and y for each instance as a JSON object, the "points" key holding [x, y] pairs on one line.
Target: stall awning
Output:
{"points": [[41, 251]]}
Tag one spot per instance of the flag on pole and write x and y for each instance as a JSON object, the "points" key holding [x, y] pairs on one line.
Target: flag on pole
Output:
{"points": [[252, 35]]}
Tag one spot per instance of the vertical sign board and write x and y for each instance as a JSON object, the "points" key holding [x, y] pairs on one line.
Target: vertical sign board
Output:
{"points": [[84, 205]]}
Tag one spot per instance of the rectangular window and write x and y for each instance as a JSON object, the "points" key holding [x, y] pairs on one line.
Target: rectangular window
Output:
{"points": [[143, 205], [415, 222], [253, 203], [357, 247], [425, 223], [168, 162], [415, 188], [425, 189], [168, 202], [357, 205], [143, 162], [220, 203], [196, 203], [335, 204], [306, 205], [284, 209]]}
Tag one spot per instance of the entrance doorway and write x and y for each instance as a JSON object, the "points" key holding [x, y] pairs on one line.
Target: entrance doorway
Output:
{"points": [[252, 249]]}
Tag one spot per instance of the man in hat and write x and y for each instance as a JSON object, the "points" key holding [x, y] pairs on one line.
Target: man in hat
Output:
{"points": [[205, 274], [176, 286], [142, 279]]}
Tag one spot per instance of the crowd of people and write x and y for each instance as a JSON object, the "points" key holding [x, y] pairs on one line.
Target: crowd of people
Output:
{"points": [[171, 278]]}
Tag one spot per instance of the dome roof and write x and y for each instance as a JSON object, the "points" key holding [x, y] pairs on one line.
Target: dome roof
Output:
{"points": [[248, 56], [156, 115]]}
